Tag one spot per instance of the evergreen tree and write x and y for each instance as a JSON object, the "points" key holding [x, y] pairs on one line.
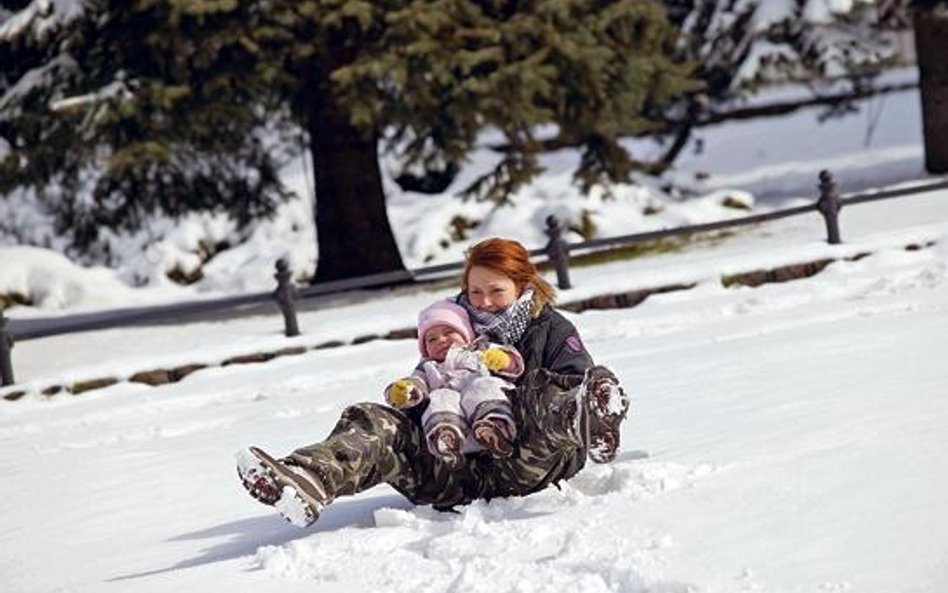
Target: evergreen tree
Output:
{"points": [[743, 45], [112, 111], [425, 78], [172, 92]]}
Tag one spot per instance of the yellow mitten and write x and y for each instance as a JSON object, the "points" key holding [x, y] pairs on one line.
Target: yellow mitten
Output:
{"points": [[495, 359], [399, 392]]}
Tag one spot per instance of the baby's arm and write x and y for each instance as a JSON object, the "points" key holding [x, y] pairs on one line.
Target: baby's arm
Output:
{"points": [[407, 392]]}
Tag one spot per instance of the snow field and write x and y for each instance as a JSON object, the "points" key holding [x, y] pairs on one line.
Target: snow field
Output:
{"points": [[785, 438]]}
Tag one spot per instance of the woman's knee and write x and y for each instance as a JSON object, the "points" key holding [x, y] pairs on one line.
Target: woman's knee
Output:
{"points": [[370, 417]]}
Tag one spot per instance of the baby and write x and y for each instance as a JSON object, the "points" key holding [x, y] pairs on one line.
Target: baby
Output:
{"points": [[464, 382]]}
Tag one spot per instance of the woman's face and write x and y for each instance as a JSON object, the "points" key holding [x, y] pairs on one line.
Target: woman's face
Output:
{"points": [[489, 290]]}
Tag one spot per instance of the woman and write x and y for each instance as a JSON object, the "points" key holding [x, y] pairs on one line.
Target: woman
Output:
{"points": [[565, 407]]}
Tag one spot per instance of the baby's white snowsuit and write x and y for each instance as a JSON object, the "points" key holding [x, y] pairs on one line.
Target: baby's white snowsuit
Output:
{"points": [[461, 391]]}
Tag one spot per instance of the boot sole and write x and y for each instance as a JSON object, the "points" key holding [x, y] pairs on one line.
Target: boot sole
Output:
{"points": [[301, 499], [257, 479], [608, 413], [491, 438]]}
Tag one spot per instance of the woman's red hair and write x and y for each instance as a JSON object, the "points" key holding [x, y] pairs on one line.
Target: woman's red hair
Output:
{"points": [[511, 259]]}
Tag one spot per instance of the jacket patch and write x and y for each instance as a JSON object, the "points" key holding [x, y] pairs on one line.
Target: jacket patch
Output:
{"points": [[574, 343]]}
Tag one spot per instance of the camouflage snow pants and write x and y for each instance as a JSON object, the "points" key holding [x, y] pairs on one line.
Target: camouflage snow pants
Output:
{"points": [[373, 443]]}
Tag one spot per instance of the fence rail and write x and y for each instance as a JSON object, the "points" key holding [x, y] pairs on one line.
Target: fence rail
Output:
{"points": [[556, 253]]}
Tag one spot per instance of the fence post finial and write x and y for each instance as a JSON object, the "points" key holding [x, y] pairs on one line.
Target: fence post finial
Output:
{"points": [[828, 205], [285, 294], [557, 250], [6, 345]]}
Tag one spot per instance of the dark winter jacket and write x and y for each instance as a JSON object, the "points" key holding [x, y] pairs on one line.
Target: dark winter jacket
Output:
{"points": [[552, 342]]}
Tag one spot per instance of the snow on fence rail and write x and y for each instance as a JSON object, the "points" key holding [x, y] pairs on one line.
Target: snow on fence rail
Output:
{"points": [[556, 253]]}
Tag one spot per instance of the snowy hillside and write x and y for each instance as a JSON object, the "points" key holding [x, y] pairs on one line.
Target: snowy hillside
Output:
{"points": [[786, 438]]}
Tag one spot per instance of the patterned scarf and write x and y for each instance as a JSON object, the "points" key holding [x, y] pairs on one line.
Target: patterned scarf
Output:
{"points": [[505, 327]]}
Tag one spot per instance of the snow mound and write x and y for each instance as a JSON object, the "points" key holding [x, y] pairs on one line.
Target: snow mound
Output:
{"points": [[49, 280], [503, 545]]}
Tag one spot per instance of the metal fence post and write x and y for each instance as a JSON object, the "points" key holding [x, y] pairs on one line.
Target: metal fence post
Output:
{"points": [[284, 295], [828, 205], [557, 250], [6, 345]]}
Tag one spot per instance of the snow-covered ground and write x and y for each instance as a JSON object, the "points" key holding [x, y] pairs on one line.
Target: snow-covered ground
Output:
{"points": [[786, 438]]}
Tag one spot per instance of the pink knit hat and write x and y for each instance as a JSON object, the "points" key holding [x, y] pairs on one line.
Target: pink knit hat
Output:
{"points": [[443, 313]]}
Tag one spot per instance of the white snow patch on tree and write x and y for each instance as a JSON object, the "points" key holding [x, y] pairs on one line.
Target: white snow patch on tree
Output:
{"points": [[40, 18]]}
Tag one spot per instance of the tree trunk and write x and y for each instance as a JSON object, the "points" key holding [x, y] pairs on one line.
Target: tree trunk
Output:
{"points": [[931, 47], [352, 228]]}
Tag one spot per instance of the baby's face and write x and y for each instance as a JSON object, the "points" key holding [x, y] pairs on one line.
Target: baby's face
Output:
{"points": [[439, 339]]}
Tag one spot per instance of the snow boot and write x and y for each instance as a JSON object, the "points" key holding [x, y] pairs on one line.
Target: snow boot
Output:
{"points": [[295, 492], [444, 442], [607, 406], [493, 433]]}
